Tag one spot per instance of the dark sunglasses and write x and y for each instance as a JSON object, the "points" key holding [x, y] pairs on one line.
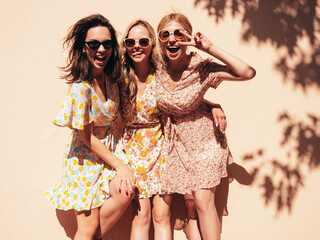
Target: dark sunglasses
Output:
{"points": [[94, 45], [130, 42], [164, 35]]}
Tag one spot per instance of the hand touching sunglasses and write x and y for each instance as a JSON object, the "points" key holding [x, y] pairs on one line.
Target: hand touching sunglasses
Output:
{"points": [[183, 38]]}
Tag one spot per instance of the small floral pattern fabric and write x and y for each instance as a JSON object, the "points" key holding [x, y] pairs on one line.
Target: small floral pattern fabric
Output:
{"points": [[196, 157], [85, 179], [143, 137]]}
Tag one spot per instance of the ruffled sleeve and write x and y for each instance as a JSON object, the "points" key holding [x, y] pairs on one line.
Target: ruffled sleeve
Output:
{"points": [[75, 111], [209, 72]]}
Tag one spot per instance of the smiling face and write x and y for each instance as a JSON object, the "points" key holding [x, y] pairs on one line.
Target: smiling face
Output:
{"points": [[171, 49], [98, 58], [137, 53]]}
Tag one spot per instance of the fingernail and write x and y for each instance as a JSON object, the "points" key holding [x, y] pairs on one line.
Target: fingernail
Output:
{"points": [[216, 124], [126, 191], [130, 192], [133, 187], [119, 189]]}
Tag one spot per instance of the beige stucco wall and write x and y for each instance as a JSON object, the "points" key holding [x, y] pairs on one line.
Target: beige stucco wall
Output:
{"points": [[31, 94]]}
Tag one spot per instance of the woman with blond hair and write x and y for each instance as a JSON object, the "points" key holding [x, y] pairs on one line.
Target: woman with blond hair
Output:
{"points": [[196, 159], [143, 136]]}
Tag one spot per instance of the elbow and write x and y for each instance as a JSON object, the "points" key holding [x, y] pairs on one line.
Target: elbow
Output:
{"points": [[250, 73]]}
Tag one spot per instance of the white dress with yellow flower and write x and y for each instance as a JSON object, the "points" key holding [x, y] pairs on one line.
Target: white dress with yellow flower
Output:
{"points": [[86, 177], [143, 137]]}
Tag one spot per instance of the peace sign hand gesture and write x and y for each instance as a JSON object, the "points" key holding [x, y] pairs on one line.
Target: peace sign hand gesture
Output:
{"points": [[198, 40]]}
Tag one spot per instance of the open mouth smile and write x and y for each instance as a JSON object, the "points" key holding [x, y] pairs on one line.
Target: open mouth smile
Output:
{"points": [[173, 49]]}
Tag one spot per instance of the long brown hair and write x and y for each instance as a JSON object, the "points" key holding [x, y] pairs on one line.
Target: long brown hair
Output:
{"points": [[78, 68], [131, 85]]}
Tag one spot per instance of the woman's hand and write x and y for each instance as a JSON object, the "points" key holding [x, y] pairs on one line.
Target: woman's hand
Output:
{"points": [[219, 118], [198, 40], [125, 174], [218, 115], [126, 179]]}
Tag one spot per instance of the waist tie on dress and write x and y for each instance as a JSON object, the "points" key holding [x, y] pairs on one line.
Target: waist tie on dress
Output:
{"points": [[172, 133], [142, 125]]}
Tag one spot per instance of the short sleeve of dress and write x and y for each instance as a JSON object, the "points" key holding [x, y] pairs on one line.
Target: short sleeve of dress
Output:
{"points": [[209, 71], [75, 111]]}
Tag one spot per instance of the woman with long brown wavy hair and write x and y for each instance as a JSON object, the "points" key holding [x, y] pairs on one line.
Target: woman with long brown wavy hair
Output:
{"points": [[97, 183]]}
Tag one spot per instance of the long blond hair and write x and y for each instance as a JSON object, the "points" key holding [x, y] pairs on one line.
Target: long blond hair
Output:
{"points": [[129, 73]]}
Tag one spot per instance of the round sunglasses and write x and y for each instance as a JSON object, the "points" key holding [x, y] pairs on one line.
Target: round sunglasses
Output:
{"points": [[130, 42], [164, 35], [95, 44]]}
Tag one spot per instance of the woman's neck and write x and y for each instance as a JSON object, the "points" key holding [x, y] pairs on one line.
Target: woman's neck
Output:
{"points": [[176, 68], [180, 65], [98, 75], [142, 70]]}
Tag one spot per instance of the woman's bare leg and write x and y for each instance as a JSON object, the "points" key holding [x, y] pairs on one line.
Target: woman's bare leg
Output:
{"points": [[161, 217], [113, 208], [88, 224], [192, 227], [207, 213], [141, 222]]}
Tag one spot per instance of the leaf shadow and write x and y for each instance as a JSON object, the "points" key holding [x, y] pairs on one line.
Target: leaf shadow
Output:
{"points": [[290, 26], [292, 29]]}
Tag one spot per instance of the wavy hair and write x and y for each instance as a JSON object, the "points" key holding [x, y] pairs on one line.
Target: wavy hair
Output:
{"points": [[131, 85], [78, 67]]}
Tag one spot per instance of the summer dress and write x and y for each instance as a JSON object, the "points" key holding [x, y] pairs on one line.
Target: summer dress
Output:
{"points": [[196, 156], [143, 138], [86, 177]]}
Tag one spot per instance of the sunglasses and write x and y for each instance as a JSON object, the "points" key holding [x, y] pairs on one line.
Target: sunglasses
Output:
{"points": [[164, 35], [130, 42], [94, 45]]}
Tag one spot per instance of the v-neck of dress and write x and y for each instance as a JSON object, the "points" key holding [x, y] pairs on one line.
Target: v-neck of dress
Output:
{"points": [[106, 97], [184, 75], [143, 92], [147, 83]]}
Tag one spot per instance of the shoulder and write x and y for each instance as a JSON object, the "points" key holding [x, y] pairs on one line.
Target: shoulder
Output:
{"points": [[83, 88], [205, 64]]}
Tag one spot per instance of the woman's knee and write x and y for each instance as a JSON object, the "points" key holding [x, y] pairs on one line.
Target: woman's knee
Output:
{"points": [[161, 208], [204, 199], [160, 215], [142, 211]]}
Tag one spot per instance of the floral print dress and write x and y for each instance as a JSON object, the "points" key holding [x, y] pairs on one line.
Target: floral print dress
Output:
{"points": [[85, 183], [196, 157], [142, 138]]}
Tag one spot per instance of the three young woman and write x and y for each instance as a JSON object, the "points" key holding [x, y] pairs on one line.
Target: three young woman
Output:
{"points": [[189, 159]]}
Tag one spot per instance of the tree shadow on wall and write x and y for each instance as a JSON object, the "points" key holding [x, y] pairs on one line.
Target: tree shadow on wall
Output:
{"points": [[292, 28]]}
